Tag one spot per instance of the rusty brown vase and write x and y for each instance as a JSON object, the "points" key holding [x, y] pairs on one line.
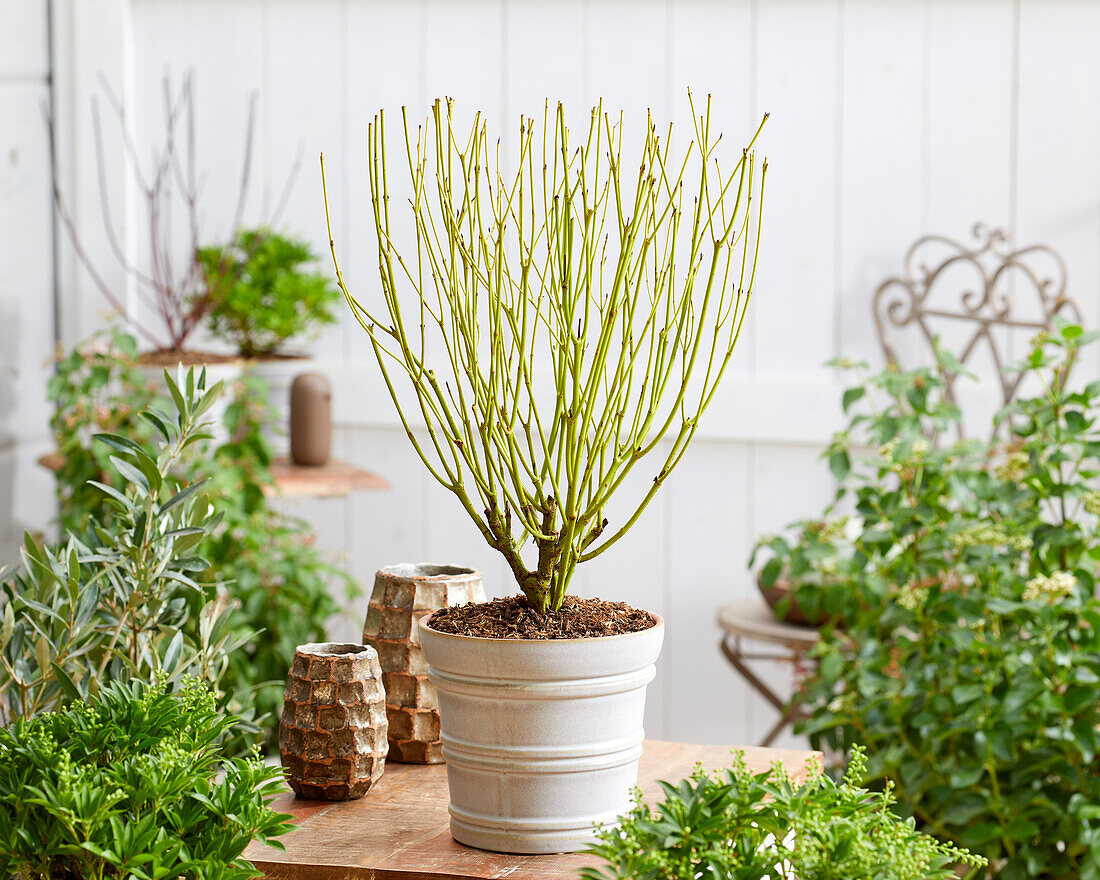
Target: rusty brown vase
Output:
{"points": [[402, 595], [332, 738]]}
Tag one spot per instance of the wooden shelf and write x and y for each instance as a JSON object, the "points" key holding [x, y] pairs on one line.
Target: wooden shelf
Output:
{"points": [[399, 830], [335, 479]]}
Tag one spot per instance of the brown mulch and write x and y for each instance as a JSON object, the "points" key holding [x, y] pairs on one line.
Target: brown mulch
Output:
{"points": [[165, 357], [513, 618]]}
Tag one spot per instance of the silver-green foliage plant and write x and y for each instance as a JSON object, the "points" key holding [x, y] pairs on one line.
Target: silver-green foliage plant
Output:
{"points": [[121, 603], [740, 825], [560, 322]]}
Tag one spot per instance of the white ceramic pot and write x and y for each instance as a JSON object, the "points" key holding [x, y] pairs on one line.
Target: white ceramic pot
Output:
{"points": [[279, 373], [541, 738]]}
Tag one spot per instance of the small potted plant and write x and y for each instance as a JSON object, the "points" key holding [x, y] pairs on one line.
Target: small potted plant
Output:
{"points": [[569, 320], [263, 294], [808, 577], [169, 302], [167, 299]]}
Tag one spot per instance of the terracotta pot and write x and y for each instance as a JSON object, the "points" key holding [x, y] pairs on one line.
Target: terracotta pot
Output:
{"points": [[402, 595], [332, 738], [542, 738], [779, 591]]}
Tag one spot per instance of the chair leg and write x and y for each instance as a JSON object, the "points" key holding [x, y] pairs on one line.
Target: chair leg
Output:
{"points": [[789, 711]]}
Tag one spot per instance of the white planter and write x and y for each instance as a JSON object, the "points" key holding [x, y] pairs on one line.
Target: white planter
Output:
{"points": [[226, 371], [279, 373], [541, 738]]}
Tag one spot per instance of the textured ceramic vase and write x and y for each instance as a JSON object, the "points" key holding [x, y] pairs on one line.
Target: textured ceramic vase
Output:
{"points": [[332, 738], [541, 738], [402, 595]]}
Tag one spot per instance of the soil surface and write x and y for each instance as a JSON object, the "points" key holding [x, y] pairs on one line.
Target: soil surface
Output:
{"points": [[513, 618], [165, 357]]}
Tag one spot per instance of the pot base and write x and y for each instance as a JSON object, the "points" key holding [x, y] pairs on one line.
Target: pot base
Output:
{"points": [[485, 832]]}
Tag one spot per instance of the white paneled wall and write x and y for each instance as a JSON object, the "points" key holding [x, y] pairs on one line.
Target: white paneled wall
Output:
{"points": [[889, 119], [26, 271]]}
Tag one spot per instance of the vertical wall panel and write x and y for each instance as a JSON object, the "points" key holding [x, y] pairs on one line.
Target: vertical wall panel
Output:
{"points": [[550, 68], [970, 137], [882, 157], [306, 56], [385, 52], [26, 275], [797, 76], [708, 523], [1059, 140]]}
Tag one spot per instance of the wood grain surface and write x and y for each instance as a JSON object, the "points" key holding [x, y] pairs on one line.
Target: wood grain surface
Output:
{"points": [[399, 830]]}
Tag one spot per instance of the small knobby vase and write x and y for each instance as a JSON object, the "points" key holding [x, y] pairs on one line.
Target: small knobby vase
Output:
{"points": [[332, 738], [402, 595]]}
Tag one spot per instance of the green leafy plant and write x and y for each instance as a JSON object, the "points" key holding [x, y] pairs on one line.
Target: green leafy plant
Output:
{"points": [[970, 663], [262, 562], [817, 566], [736, 825], [567, 319], [282, 586], [132, 785], [123, 603], [261, 294], [96, 388]]}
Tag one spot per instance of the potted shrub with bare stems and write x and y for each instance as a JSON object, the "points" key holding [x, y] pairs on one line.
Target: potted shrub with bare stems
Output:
{"points": [[171, 291], [554, 325]]}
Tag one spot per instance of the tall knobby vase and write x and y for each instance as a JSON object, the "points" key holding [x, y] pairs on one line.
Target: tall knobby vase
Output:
{"points": [[332, 737], [402, 595]]}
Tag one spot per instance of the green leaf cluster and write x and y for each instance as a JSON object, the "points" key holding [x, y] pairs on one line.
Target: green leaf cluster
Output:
{"points": [[121, 603], [261, 562], [97, 387], [737, 825], [969, 659], [261, 293], [131, 785], [281, 584]]}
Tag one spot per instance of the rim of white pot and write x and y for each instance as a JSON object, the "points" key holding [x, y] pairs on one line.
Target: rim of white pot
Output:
{"points": [[426, 620]]}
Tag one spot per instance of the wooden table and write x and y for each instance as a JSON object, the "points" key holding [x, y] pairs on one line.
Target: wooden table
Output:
{"points": [[753, 620], [399, 830]]}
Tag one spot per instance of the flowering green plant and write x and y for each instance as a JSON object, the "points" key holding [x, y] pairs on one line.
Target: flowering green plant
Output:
{"points": [[746, 826], [970, 662]]}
